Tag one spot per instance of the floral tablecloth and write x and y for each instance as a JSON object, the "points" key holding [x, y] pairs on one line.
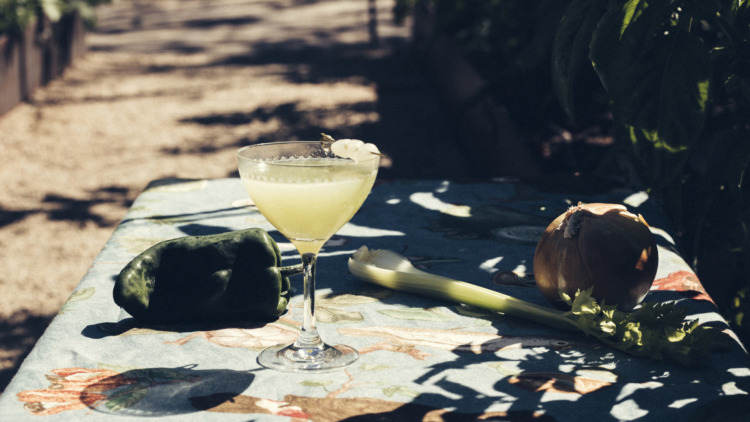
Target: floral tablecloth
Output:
{"points": [[421, 359]]}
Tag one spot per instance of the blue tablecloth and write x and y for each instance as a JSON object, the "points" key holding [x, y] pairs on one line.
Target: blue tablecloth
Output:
{"points": [[422, 359]]}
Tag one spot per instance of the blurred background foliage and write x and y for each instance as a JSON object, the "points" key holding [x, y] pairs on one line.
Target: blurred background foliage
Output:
{"points": [[666, 82], [16, 15]]}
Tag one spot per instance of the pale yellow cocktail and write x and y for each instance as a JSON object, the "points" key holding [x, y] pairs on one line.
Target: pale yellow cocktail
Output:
{"points": [[308, 200], [308, 192]]}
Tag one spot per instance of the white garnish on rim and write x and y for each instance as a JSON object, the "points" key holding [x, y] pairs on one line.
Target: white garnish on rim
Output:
{"points": [[354, 149]]}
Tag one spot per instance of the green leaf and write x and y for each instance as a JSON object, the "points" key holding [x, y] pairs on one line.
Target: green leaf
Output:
{"points": [[674, 335], [657, 77], [739, 5], [631, 335], [653, 330], [584, 304], [570, 49], [683, 90], [16, 15], [566, 297], [630, 12], [607, 327], [52, 9]]}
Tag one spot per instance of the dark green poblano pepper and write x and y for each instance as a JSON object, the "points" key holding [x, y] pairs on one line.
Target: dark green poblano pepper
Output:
{"points": [[234, 276]]}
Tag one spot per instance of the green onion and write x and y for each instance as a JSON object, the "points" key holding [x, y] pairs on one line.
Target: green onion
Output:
{"points": [[654, 330]]}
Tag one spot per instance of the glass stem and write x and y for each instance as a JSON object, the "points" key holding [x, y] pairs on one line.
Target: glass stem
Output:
{"points": [[308, 337]]}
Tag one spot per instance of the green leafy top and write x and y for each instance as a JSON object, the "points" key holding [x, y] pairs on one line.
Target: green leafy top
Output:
{"points": [[656, 330]]}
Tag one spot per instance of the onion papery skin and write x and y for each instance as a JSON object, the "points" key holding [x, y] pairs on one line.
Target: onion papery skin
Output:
{"points": [[599, 245]]}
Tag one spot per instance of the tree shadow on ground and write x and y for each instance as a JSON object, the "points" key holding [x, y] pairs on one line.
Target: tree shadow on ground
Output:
{"points": [[80, 211], [407, 120], [410, 124], [18, 334]]}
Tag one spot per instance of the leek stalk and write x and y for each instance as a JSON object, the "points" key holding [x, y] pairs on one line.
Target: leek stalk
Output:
{"points": [[389, 269], [654, 330]]}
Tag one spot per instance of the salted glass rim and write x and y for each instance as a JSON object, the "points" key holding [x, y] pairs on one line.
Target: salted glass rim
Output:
{"points": [[267, 161]]}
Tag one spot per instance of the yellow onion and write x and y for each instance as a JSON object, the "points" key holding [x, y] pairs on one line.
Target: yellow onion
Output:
{"points": [[601, 246]]}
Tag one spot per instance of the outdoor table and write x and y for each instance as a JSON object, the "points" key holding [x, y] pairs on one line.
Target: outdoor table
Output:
{"points": [[421, 358]]}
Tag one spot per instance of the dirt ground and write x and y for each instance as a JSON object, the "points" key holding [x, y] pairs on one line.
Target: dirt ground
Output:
{"points": [[172, 88]]}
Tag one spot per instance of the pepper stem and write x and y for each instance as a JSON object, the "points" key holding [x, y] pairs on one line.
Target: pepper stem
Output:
{"points": [[290, 270]]}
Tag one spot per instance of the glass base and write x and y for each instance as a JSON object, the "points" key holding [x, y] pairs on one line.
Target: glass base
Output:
{"points": [[291, 358]]}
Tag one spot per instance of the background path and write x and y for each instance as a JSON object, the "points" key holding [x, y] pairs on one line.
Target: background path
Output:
{"points": [[171, 89]]}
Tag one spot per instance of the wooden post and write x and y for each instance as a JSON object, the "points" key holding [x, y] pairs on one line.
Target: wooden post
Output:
{"points": [[10, 84]]}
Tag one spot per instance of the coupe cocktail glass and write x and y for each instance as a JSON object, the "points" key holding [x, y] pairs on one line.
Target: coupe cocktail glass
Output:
{"points": [[308, 194]]}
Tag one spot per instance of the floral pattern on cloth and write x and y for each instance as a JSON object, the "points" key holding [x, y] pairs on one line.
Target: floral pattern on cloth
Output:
{"points": [[72, 389], [80, 388], [336, 409], [685, 282]]}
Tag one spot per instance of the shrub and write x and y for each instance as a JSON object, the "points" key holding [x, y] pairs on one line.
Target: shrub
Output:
{"points": [[672, 78]]}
